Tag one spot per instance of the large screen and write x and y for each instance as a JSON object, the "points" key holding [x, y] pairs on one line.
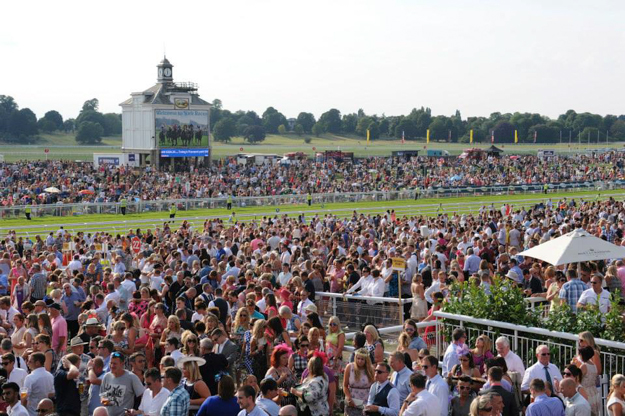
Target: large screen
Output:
{"points": [[181, 128]]}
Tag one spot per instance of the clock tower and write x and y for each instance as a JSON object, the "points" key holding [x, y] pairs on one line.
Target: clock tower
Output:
{"points": [[165, 73]]}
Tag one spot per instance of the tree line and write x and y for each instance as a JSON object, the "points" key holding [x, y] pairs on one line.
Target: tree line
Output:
{"points": [[529, 127], [22, 125]]}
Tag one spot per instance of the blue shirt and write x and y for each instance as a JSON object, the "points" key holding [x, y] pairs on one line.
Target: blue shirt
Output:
{"points": [[4, 281], [215, 405], [545, 406], [417, 343], [177, 403], [72, 310], [571, 291]]}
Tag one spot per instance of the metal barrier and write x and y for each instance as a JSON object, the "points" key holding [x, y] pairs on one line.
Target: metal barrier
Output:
{"points": [[134, 207], [353, 311], [524, 340], [401, 210]]}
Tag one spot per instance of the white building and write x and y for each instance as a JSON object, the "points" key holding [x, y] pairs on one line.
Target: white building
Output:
{"points": [[166, 122]]}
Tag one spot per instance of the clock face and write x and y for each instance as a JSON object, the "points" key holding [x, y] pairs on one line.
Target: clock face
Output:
{"points": [[168, 72], [160, 72]]}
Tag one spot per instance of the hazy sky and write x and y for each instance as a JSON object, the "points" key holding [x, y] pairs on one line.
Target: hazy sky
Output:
{"points": [[383, 56]]}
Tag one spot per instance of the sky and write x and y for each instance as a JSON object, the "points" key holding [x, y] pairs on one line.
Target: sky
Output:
{"points": [[385, 57]]}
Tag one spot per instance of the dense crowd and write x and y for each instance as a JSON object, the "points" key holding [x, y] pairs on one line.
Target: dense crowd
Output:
{"points": [[225, 318], [24, 183]]}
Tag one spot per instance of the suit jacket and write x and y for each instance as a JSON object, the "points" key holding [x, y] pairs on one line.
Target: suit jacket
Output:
{"points": [[510, 405], [231, 352]]}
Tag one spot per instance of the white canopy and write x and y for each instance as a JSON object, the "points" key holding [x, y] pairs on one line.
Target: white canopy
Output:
{"points": [[52, 190], [575, 247]]}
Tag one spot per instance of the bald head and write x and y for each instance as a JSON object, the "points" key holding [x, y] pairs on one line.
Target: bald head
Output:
{"points": [[47, 405], [100, 411], [568, 387], [288, 410]]}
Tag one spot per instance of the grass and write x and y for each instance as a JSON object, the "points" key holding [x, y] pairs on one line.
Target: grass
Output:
{"points": [[61, 146], [408, 207], [278, 144]]}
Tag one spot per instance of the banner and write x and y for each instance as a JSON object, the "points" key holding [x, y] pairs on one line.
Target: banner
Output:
{"points": [[368, 135], [184, 152], [516, 136], [492, 137], [471, 137], [398, 263], [428, 136]]}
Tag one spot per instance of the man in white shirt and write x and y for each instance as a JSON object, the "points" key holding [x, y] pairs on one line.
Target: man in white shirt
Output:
{"points": [[129, 284], [285, 275], [451, 357], [75, 264], [376, 288], [513, 361], [438, 285], [435, 383], [11, 395], [363, 284], [14, 374], [596, 294], [39, 383], [543, 370], [383, 397], [420, 402], [154, 396]]}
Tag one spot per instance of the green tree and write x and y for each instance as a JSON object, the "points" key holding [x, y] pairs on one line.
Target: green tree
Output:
{"points": [[318, 129], [374, 130], [112, 124], [92, 116], [272, 119], [363, 125], [331, 121], [408, 128], [46, 125], [504, 132], [89, 132], [69, 125], [254, 134], [91, 105], [217, 104], [439, 128], [22, 124], [307, 121], [618, 129], [281, 129], [224, 130], [56, 118], [349, 123], [299, 130]]}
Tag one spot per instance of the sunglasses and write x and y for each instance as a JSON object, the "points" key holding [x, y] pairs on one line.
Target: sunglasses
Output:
{"points": [[425, 367], [567, 374], [148, 384], [43, 410], [464, 359], [380, 372], [191, 341], [5, 363], [333, 324], [487, 409], [545, 354], [464, 388]]}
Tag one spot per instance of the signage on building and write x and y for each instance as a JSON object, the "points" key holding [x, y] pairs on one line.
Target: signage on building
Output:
{"points": [[108, 160], [184, 152]]}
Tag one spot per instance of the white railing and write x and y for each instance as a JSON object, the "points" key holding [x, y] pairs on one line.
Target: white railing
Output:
{"points": [[294, 199], [524, 340]]}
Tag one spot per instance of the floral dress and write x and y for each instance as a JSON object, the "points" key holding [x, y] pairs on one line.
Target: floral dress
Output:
{"points": [[359, 390], [589, 383], [332, 340], [315, 396]]}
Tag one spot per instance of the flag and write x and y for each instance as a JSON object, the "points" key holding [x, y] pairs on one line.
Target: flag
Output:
{"points": [[428, 136], [492, 137], [403, 137], [471, 137], [535, 135], [516, 136], [368, 135]]}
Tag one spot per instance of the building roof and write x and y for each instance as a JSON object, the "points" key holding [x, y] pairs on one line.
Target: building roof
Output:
{"points": [[159, 94]]}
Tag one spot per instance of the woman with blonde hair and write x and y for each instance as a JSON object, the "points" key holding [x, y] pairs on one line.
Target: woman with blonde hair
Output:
{"points": [[481, 406], [357, 381], [258, 349], [374, 344], [616, 396], [172, 330], [120, 341], [314, 338], [613, 282], [403, 345], [586, 339], [482, 352], [190, 344], [335, 342], [193, 383]]}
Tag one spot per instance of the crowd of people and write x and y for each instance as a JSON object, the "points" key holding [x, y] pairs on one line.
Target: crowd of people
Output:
{"points": [[25, 183], [224, 319]]}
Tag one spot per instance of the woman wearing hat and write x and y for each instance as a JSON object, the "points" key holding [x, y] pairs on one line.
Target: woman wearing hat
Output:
{"points": [[193, 383]]}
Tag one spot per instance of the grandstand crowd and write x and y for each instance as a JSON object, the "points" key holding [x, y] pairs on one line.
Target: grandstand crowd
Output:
{"points": [[225, 319], [25, 183]]}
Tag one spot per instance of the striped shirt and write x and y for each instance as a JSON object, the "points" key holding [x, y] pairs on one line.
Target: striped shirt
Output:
{"points": [[38, 283]]}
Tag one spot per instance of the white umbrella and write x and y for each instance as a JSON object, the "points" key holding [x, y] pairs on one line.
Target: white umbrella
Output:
{"points": [[52, 190], [575, 247]]}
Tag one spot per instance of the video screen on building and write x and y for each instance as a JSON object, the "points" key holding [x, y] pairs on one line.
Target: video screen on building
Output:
{"points": [[181, 128]]}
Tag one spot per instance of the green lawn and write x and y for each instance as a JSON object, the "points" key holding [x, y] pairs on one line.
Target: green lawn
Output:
{"points": [[403, 207], [60, 146], [64, 146]]}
